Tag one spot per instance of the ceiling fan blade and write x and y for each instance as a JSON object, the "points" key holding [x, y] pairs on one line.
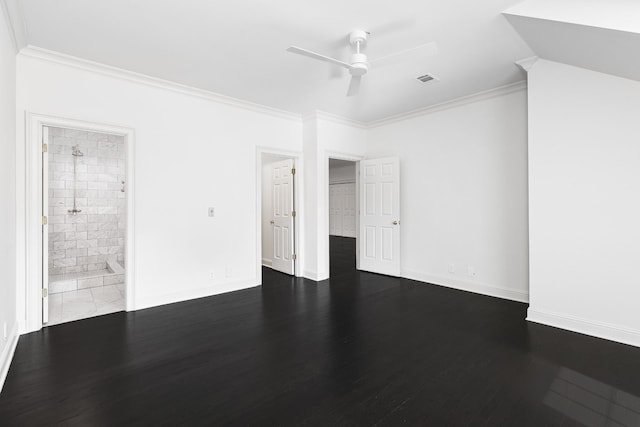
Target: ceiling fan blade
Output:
{"points": [[354, 85], [424, 50], [314, 55]]}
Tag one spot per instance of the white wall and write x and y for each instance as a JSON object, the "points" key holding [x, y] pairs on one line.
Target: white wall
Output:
{"points": [[584, 207], [463, 179], [8, 317], [324, 137], [191, 153]]}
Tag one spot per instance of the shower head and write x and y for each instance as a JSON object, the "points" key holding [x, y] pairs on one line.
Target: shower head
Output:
{"points": [[76, 151]]}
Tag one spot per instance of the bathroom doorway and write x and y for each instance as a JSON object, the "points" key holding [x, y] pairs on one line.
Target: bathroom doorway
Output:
{"points": [[84, 200]]}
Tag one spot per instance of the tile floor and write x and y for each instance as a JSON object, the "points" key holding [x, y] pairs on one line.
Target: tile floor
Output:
{"points": [[83, 303]]}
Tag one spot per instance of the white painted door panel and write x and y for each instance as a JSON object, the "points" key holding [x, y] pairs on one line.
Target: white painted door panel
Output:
{"points": [[380, 216], [282, 222], [342, 209]]}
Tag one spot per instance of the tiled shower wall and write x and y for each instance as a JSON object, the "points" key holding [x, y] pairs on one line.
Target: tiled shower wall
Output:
{"points": [[85, 242]]}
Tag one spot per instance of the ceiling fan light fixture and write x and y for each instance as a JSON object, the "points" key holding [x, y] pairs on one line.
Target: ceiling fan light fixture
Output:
{"points": [[359, 64]]}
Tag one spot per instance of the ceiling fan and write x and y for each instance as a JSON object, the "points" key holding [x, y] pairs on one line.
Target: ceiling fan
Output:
{"points": [[358, 64]]}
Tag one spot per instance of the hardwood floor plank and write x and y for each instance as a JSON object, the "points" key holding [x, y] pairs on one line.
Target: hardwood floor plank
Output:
{"points": [[359, 349]]}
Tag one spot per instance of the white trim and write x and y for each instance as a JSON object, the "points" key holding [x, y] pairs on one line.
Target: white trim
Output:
{"points": [[119, 73], [334, 118], [298, 163], [311, 275], [602, 330], [7, 354], [33, 190], [15, 23], [454, 103], [527, 63], [266, 262], [107, 70], [341, 155], [174, 297], [463, 285]]}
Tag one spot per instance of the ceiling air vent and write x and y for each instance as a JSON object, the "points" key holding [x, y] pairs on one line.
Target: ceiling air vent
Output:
{"points": [[426, 78]]}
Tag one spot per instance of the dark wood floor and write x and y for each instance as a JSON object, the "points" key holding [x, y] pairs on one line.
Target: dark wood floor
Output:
{"points": [[360, 349]]}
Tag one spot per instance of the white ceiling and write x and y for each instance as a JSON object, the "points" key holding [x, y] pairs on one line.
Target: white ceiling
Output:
{"points": [[238, 48]]}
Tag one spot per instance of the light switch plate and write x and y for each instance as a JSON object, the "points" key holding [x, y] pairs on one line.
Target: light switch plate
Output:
{"points": [[212, 212]]}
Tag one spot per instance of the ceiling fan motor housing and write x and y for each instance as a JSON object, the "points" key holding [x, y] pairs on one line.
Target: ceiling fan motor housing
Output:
{"points": [[359, 64]]}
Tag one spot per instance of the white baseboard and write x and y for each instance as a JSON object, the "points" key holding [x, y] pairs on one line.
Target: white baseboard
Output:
{"points": [[267, 262], [220, 288], [312, 275], [7, 353], [475, 287], [583, 326]]}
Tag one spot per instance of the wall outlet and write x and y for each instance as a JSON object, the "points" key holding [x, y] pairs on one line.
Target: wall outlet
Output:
{"points": [[212, 275], [229, 271], [452, 268], [471, 271], [212, 212], [4, 330]]}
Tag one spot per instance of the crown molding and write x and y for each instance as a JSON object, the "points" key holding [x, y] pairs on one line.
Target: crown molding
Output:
{"points": [[13, 15], [119, 73], [458, 102], [527, 63], [131, 76], [334, 118]]}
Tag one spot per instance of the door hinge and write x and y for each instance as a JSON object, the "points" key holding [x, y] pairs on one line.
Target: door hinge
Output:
{"points": [[45, 148], [293, 214], [293, 171], [44, 220], [294, 257], [45, 293]]}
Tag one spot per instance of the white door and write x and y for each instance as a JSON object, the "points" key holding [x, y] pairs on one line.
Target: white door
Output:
{"points": [[45, 225], [282, 221], [380, 216]]}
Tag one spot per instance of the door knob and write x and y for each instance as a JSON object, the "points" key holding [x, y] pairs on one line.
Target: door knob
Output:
{"points": [[272, 222], [396, 222]]}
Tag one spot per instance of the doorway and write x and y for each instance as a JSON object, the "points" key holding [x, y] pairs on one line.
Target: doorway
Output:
{"points": [[278, 212], [343, 215], [377, 214], [84, 183]]}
